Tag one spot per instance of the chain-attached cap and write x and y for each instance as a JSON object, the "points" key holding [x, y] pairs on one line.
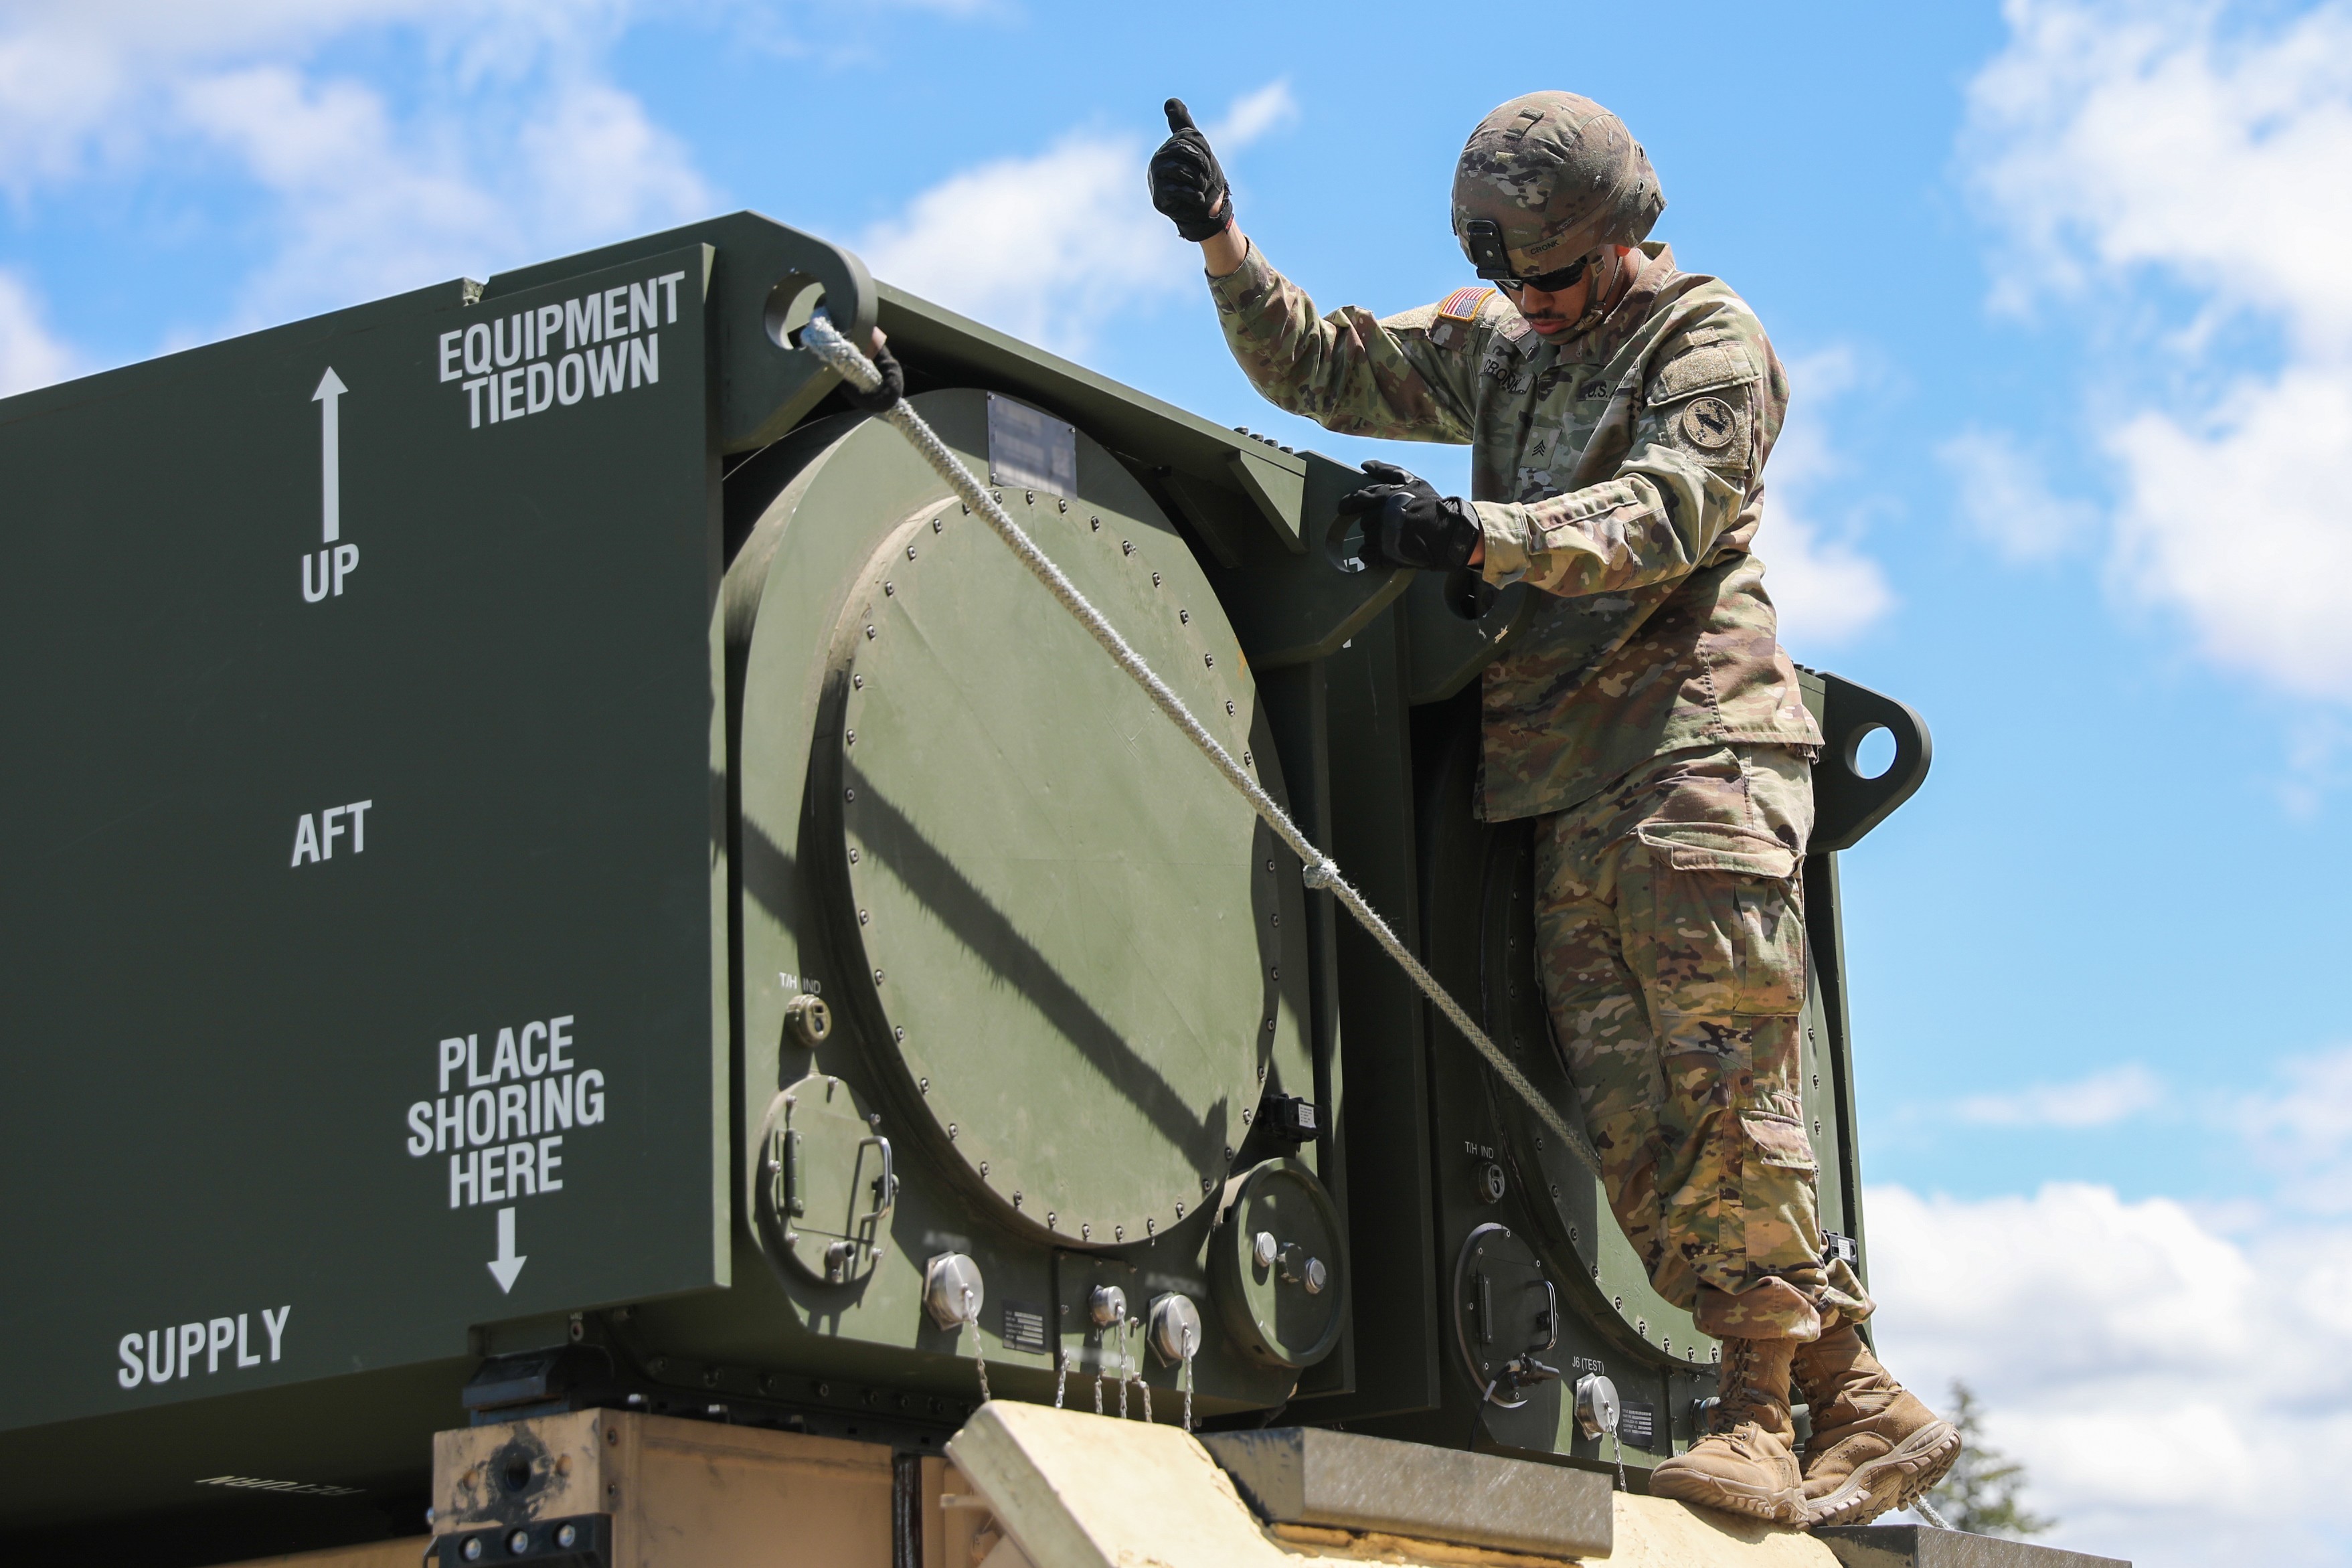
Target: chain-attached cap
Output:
{"points": [[1559, 177]]}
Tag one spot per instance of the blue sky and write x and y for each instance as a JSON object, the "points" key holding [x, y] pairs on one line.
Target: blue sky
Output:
{"points": [[2068, 469]]}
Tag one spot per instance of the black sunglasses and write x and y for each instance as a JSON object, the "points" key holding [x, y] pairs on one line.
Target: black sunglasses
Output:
{"points": [[1546, 282], [1484, 239]]}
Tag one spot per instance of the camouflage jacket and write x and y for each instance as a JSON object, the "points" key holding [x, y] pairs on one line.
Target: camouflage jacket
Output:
{"points": [[1621, 472]]}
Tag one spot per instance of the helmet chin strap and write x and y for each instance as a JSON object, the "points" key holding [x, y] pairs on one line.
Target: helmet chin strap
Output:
{"points": [[1603, 290]]}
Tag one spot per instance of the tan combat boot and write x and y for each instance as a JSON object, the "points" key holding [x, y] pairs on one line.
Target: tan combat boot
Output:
{"points": [[1875, 1445], [1747, 1464]]}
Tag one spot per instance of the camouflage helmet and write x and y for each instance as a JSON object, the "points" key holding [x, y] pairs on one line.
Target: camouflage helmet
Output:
{"points": [[1547, 178]]}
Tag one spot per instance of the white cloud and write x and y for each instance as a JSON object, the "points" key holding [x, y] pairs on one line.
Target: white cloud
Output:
{"points": [[357, 217], [2101, 1100], [2005, 498], [2175, 1378], [2241, 515], [2178, 1397], [1047, 246], [1254, 114], [79, 79], [2137, 152], [2303, 1131], [2116, 134], [507, 144], [29, 355], [595, 167], [370, 206], [1826, 590], [1043, 246]]}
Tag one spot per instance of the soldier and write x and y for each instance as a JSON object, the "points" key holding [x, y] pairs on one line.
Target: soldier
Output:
{"points": [[1619, 411]]}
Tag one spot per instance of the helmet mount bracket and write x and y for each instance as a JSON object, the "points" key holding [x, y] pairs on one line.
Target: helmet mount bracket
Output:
{"points": [[1483, 238]]}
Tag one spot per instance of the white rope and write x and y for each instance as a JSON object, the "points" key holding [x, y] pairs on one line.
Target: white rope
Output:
{"points": [[824, 339]]}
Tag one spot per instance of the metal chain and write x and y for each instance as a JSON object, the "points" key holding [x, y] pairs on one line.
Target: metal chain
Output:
{"points": [[972, 1316], [1061, 1373], [1125, 1376], [821, 337], [1188, 1383], [1098, 1377]]}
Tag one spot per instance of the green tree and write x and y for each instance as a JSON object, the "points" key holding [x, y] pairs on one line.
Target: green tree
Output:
{"points": [[1983, 1491]]}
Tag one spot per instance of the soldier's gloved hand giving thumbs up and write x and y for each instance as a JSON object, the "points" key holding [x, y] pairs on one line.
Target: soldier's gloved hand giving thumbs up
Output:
{"points": [[1408, 522], [1186, 185]]}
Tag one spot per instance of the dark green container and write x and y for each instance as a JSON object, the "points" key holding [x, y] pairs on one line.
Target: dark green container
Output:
{"points": [[547, 862]]}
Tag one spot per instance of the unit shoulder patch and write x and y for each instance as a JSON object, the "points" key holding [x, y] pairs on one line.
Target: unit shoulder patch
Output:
{"points": [[1709, 423]]}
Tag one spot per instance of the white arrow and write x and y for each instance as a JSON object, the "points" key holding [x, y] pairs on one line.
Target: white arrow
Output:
{"points": [[507, 1264], [330, 459]]}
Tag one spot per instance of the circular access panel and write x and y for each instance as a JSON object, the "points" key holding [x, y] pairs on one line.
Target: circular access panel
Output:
{"points": [[1505, 1311], [1069, 921], [1274, 1266], [825, 1188]]}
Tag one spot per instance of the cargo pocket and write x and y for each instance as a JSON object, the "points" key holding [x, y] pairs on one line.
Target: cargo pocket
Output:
{"points": [[1718, 927], [1779, 1140]]}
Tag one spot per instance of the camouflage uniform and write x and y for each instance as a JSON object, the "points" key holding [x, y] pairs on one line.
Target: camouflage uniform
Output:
{"points": [[1648, 715], [1671, 938]]}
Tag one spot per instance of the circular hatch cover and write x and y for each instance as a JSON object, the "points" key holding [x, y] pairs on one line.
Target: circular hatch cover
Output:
{"points": [[1068, 918], [1274, 1265]]}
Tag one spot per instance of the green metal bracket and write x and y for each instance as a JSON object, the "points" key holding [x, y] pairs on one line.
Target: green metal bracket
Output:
{"points": [[768, 278], [1289, 609], [1456, 625], [1846, 805], [1277, 481]]}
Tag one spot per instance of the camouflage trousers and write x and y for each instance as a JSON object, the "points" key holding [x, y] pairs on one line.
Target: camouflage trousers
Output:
{"points": [[1671, 939]]}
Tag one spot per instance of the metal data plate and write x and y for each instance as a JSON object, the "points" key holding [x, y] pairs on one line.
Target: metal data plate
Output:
{"points": [[356, 874], [1031, 450]]}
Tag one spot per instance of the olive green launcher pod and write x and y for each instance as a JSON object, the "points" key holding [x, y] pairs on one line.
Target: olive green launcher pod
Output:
{"points": [[547, 862]]}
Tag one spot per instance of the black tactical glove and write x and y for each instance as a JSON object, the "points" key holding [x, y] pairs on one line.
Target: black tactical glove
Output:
{"points": [[893, 387], [1408, 522], [1186, 184]]}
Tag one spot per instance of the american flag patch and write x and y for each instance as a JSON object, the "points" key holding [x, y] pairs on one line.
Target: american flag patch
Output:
{"points": [[1463, 304]]}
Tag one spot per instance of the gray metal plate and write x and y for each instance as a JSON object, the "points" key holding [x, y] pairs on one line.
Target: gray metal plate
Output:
{"points": [[1919, 1546], [1294, 1474]]}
